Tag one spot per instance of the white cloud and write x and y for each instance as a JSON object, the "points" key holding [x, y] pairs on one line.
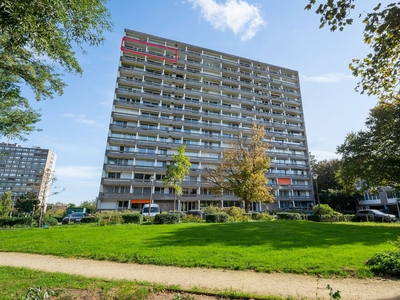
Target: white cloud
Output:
{"points": [[78, 172], [329, 78], [82, 119], [237, 15]]}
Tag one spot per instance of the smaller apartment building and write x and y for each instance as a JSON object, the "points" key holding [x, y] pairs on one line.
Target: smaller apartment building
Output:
{"points": [[21, 169], [385, 199]]}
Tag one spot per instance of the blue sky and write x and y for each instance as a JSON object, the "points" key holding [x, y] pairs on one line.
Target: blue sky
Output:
{"points": [[278, 32]]}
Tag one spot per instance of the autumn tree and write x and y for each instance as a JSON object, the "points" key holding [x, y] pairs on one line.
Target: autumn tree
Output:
{"points": [[373, 155], [176, 170], [379, 70], [242, 169], [38, 41], [5, 204]]}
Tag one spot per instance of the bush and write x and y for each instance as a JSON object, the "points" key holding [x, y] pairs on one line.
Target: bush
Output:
{"points": [[337, 217], [132, 218], [167, 219], [50, 221], [90, 220], [236, 214], [325, 210], [288, 216], [217, 218], [262, 217], [212, 210], [386, 263], [110, 218], [11, 221], [191, 219]]}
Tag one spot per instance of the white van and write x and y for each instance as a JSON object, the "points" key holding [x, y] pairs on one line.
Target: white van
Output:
{"points": [[154, 210]]}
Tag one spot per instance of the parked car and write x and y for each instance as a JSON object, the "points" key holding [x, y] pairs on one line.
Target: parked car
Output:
{"points": [[374, 215], [75, 217], [154, 210]]}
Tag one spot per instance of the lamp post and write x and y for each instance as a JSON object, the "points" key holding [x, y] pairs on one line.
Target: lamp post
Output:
{"points": [[315, 176], [151, 192]]}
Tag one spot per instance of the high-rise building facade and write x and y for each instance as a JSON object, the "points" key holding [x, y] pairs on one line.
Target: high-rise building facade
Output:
{"points": [[25, 169], [170, 93]]}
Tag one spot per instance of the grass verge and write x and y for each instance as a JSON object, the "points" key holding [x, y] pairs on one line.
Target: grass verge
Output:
{"points": [[22, 283], [281, 246]]}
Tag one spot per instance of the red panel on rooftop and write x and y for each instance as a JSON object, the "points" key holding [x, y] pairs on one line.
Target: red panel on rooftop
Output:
{"points": [[171, 52]]}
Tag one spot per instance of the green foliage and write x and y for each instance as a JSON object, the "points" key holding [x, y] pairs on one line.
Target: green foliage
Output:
{"points": [[166, 218], [211, 209], [263, 217], [90, 205], [5, 204], [27, 203], [243, 168], [176, 170], [217, 218], [50, 221], [292, 247], [237, 214], [324, 209], [379, 70], [136, 218], [12, 221], [191, 219], [38, 38], [373, 154], [109, 218], [387, 262], [288, 216], [39, 293], [91, 220]]}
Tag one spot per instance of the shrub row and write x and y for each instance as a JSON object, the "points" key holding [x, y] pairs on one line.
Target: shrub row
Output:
{"points": [[166, 218], [217, 218], [288, 216], [332, 218], [90, 219], [9, 221]]}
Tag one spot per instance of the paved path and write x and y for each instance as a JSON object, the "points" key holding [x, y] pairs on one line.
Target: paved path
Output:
{"points": [[284, 285]]}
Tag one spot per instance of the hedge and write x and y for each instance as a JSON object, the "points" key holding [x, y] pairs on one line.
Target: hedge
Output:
{"points": [[10, 221], [288, 216], [333, 218], [136, 218], [166, 219], [217, 218], [50, 221], [90, 219]]}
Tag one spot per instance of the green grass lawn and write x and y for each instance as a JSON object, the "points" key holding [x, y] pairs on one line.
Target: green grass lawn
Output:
{"points": [[18, 283], [279, 246]]}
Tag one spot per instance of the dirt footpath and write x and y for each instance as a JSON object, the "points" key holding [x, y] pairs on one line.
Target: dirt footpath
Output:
{"points": [[284, 285]]}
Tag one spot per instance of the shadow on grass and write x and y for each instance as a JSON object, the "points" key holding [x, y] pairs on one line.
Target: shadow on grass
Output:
{"points": [[277, 235]]}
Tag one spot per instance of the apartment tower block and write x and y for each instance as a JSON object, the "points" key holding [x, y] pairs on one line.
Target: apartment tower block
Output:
{"points": [[169, 93]]}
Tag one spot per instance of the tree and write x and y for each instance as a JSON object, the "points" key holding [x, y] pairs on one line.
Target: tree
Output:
{"points": [[373, 155], [243, 168], [177, 169], [27, 203], [37, 40], [326, 170], [91, 205], [5, 204], [380, 70], [47, 179]]}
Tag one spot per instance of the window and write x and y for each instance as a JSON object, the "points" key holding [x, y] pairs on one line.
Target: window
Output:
{"points": [[123, 204], [114, 175]]}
